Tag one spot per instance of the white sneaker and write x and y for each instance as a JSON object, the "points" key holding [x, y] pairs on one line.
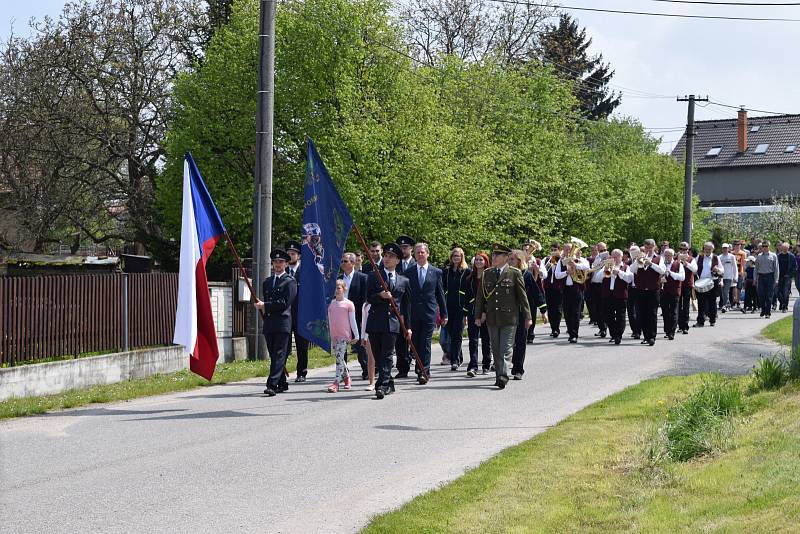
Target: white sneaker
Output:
{"points": [[370, 387]]}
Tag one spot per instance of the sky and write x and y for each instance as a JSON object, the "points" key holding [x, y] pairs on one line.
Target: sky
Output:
{"points": [[655, 59]]}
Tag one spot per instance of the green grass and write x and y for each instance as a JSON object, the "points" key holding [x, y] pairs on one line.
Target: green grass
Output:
{"points": [[154, 385], [779, 331], [590, 473]]}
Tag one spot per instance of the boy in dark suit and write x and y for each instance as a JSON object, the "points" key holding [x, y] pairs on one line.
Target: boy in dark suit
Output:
{"points": [[382, 324], [280, 292]]}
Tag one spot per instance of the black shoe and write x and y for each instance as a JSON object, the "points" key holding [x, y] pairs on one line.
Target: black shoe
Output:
{"points": [[401, 375], [617, 341], [685, 331], [712, 324], [723, 310], [573, 340], [666, 336], [421, 380], [644, 342], [300, 378], [635, 336], [364, 376], [768, 316], [651, 342], [282, 388], [554, 335], [269, 392], [454, 367], [379, 393], [612, 340], [698, 325], [517, 376], [671, 337], [529, 341], [501, 382], [600, 334]]}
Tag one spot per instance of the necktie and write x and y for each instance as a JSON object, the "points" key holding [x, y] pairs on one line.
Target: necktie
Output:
{"points": [[391, 280]]}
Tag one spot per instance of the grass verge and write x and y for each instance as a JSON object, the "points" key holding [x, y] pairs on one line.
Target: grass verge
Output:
{"points": [[779, 331], [590, 473], [154, 385]]}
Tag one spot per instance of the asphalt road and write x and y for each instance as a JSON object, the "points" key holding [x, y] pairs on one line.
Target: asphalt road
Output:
{"points": [[228, 459]]}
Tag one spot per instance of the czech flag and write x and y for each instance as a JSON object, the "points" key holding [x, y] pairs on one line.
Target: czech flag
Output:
{"points": [[201, 228]]}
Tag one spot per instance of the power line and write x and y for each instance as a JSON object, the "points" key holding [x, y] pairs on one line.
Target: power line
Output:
{"points": [[749, 109], [645, 13], [743, 4]]}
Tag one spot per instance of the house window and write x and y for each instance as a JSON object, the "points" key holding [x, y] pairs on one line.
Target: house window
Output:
{"points": [[790, 149], [714, 152], [755, 129], [761, 149]]}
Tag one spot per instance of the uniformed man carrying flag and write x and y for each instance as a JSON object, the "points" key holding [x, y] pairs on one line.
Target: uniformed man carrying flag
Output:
{"points": [[501, 296]]}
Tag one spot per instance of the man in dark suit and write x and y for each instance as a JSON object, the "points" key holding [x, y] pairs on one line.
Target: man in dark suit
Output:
{"points": [[383, 326], [300, 343], [427, 295], [355, 284], [375, 252], [407, 246], [280, 293]]}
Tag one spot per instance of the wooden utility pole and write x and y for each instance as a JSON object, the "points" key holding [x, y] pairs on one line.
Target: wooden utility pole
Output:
{"points": [[689, 166]]}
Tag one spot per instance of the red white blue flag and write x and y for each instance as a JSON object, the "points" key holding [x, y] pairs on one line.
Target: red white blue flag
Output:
{"points": [[201, 228]]}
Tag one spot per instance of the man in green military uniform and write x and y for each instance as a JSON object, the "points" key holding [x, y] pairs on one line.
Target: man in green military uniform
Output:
{"points": [[501, 296]]}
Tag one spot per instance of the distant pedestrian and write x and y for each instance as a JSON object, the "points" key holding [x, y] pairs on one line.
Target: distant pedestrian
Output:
{"points": [[344, 331]]}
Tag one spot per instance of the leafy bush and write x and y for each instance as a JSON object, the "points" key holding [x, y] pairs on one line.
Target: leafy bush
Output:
{"points": [[700, 424], [769, 373]]}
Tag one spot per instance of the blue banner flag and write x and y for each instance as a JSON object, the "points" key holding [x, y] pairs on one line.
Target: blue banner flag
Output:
{"points": [[326, 224]]}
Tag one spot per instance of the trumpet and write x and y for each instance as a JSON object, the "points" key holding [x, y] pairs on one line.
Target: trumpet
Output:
{"points": [[554, 259], [608, 267], [683, 256]]}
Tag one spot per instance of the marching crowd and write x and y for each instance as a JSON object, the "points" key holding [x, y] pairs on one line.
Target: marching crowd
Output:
{"points": [[388, 307]]}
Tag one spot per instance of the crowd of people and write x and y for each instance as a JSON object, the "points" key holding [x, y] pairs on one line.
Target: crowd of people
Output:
{"points": [[388, 307]]}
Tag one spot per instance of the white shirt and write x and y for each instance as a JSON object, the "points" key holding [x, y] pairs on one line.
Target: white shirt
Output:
{"points": [[691, 265], [347, 279], [679, 276], [598, 275], [581, 264], [728, 261], [707, 261], [503, 268], [657, 266], [626, 276]]}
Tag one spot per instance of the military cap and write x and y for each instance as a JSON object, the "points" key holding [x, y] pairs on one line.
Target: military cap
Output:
{"points": [[497, 248], [278, 254], [404, 240], [393, 248], [293, 245]]}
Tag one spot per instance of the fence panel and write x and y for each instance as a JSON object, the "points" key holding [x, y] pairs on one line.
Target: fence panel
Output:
{"points": [[45, 317]]}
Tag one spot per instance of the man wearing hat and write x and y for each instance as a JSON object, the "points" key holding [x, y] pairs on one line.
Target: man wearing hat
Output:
{"points": [[383, 326], [280, 294], [300, 343], [500, 298], [407, 247]]}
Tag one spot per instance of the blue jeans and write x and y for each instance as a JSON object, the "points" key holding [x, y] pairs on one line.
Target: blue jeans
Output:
{"points": [[766, 289]]}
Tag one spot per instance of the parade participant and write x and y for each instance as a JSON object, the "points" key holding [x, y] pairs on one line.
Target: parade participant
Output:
{"points": [[359, 261], [280, 293], [407, 246], [685, 302], [300, 343], [517, 259], [455, 282], [741, 260], [595, 289], [499, 299], [750, 292], [614, 294], [367, 348], [787, 267], [767, 276], [554, 291], [344, 331], [376, 253], [647, 271], [477, 333], [356, 291], [382, 324], [572, 290], [730, 273], [674, 276], [632, 303], [426, 296], [538, 270], [708, 268]]}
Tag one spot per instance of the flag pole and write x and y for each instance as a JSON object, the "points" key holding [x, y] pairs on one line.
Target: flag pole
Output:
{"points": [[423, 371], [243, 271]]}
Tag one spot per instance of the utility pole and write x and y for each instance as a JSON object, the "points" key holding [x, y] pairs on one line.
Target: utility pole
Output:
{"points": [[689, 166], [262, 208]]}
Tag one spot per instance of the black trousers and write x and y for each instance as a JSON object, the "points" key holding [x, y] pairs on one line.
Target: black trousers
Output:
{"points": [[614, 316], [382, 344], [595, 290], [669, 311], [554, 298], [633, 311], [403, 355], [520, 344], [572, 309], [707, 307], [276, 347], [421, 336], [684, 307], [647, 311], [301, 346], [475, 334]]}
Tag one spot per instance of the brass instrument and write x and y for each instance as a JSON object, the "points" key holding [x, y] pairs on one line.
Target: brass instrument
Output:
{"points": [[554, 259], [578, 276], [608, 267], [683, 256]]}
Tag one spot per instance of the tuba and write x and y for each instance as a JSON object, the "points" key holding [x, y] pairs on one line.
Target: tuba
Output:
{"points": [[577, 275]]}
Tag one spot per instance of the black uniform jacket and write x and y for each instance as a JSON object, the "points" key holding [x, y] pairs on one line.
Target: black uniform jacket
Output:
{"points": [[279, 296], [381, 319]]}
